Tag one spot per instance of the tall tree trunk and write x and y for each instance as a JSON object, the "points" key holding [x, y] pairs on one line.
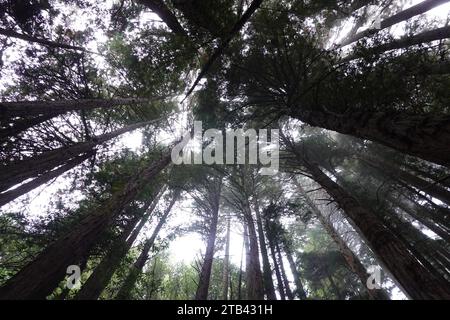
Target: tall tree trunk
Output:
{"points": [[404, 15], [254, 283], [10, 195], [275, 265], [267, 270], [205, 274], [404, 42], [160, 8], [417, 282], [300, 290], [226, 262], [350, 258], [45, 42], [18, 171], [23, 124], [37, 108], [40, 277], [395, 172], [104, 271], [136, 268], [425, 136], [239, 288], [287, 287]]}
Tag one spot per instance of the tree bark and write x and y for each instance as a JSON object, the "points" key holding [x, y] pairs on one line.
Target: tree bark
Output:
{"points": [[267, 270], [301, 293], [396, 18], [226, 262], [136, 268], [24, 124], [350, 258], [40, 277], [104, 271], [45, 42], [287, 287], [18, 171], [275, 265], [425, 136], [205, 274], [417, 282]]}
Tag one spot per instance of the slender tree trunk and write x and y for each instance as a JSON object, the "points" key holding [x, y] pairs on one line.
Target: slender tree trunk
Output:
{"points": [[300, 291], [136, 268], [267, 270], [428, 187], [287, 287], [404, 15], [40, 277], [350, 258], [255, 288], [45, 42], [205, 274], [18, 171], [226, 262], [37, 108], [10, 195], [22, 125], [404, 42], [103, 273], [417, 282], [239, 288], [276, 267], [425, 136]]}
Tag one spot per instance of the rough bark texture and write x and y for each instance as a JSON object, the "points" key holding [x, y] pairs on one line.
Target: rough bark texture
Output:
{"points": [[41, 276], [350, 258], [103, 273], [404, 15], [267, 271], [425, 136], [205, 273], [417, 282], [18, 171], [136, 268]]}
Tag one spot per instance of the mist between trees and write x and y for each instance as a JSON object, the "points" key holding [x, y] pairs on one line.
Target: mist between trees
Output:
{"points": [[98, 97]]}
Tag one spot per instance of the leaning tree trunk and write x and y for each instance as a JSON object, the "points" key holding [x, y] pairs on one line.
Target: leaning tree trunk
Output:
{"points": [[104, 271], [10, 195], [136, 268], [416, 281], [402, 43], [52, 108], [275, 265], [398, 174], [254, 283], [350, 258], [425, 136], [300, 290], [267, 270], [404, 15], [23, 124], [41, 276], [18, 171], [287, 287], [205, 273]]}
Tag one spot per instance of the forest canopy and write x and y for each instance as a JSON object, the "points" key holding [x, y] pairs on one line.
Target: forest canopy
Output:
{"points": [[348, 97]]}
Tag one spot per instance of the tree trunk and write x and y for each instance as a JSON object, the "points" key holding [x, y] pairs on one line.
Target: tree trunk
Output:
{"points": [[23, 124], [226, 262], [205, 274], [287, 287], [40, 277], [404, 15], [104, 271], [37, 108], [275, 265], [45, 42], [267, 270], [136, 268], [404, 42], [395, 172], [300, 290], [350, 258], [18, 171], [10, 195], [160, 8], [255, 288], [417, 282], [425, 136]]}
